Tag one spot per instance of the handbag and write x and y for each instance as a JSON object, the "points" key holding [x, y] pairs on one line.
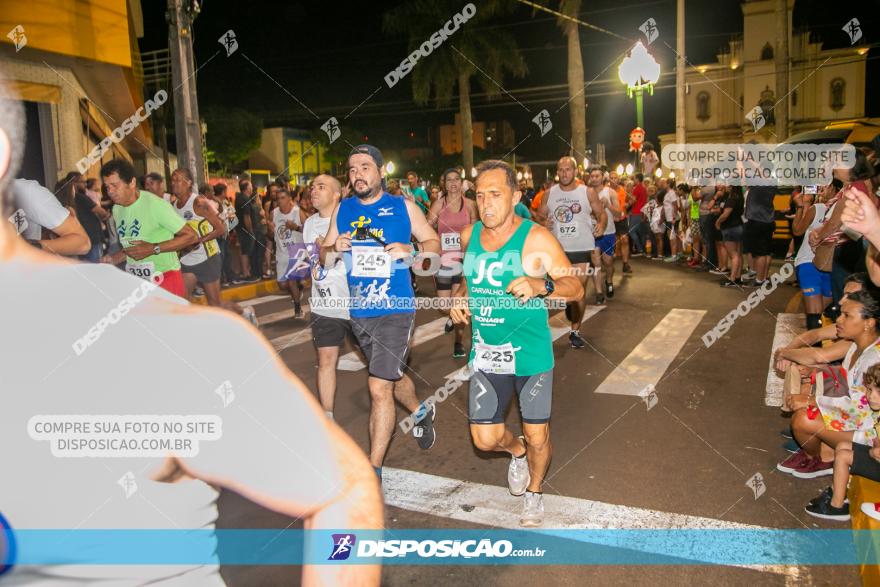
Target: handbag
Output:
{"points": [[833, 381]]}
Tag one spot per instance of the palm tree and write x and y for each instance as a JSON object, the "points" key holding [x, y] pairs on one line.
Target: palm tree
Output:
{"points": [[576, 102], [457, 60]]}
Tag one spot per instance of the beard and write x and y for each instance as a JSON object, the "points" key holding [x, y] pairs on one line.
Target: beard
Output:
{"points": [[367, 192]]}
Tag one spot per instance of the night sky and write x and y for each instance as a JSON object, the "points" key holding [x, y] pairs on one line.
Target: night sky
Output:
{"points": [[331, 56]]}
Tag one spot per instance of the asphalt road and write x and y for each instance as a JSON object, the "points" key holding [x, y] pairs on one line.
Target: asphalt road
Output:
{"points": [[691, 453]]}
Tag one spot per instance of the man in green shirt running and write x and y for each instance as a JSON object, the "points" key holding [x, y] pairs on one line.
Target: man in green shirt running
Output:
{"points": [[510, 263]]}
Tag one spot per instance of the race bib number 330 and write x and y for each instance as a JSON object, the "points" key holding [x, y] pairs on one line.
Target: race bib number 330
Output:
{"points": [[370, 262], [142, 269]]}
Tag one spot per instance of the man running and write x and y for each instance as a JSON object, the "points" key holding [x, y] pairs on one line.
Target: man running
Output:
{"points": [[200, 263], [568, 207], [621, 224], [150, 231], [286, 224], [510, 263], [374, 230], [330, 324], [449, 215], [603, 254]]}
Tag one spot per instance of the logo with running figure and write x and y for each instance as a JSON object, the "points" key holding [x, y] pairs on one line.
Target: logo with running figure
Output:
{"points": [[563, 214], [342, 547]]}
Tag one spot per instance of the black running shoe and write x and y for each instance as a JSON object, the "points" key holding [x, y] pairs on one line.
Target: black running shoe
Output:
{"points": [[449, 326], [424, 430], [609, 290], [826, 495], [576, 340], [732, 283], [823, 509], [600, 299], [626, 268], [297, 310], [458, 351]]}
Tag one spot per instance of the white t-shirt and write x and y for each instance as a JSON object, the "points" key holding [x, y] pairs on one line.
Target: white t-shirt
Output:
{"points": [[137, 366], [39, 209], [605, 194], [805, 254], [327, 283], [669, 201], [570, 218]]}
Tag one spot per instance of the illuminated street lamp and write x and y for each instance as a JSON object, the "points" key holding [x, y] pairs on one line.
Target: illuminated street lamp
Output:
{"points": [[639, 70], [619, 169], [659, 173], [389, 167], [629, 168]]}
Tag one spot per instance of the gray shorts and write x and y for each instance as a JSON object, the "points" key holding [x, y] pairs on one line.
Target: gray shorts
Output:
{"points": [[207, 271], [490, 395], [385, 342]]}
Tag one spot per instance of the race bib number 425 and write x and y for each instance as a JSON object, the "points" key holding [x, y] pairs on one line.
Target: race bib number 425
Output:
{"points": [[370, 262], [499, 359]]}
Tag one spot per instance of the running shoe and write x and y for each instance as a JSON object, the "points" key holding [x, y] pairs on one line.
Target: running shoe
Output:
{"points": [[600, 299], [576, 340], [814, 468], [458, 351], [198, 292], [251, 279], [823, 509], [657, 258], [717, 271], [791, 446], [609, 290], [789, 259], [749, 275], [670, 259], [731, 283], [533, 510], [424, 430], [871, 509], [250, 315], [826, 494], [796, 460], [627, 268], [518, 476], [637, 254], [297, 310], [449, 326]]}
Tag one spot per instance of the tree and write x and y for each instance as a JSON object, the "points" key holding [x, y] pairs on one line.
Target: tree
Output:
{"points": [[576, 102], [232, 134], [455, 62]]}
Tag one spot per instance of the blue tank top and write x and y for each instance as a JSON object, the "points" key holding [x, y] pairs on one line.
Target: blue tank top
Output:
{"points": [[380, 285]]}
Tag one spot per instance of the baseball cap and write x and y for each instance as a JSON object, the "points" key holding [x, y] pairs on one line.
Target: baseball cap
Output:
{"points": [[372, 151]]}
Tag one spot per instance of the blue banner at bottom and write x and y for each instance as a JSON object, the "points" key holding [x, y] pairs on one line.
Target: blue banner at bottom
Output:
{"points": [[447, 546]]}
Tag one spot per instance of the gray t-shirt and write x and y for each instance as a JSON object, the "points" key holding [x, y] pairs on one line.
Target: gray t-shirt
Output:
{"points": [[759, 203]]}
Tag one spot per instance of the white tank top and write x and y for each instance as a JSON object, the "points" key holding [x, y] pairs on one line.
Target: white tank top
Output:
{"points": [[570, 218], [606, 194], [283, 235], [202, 227], [805, 254]]}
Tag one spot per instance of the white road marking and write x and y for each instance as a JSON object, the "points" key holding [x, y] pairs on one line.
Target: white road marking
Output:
{"points": [[282, 315], [647, 363], [492, 505], [292, 339], [422, 334], [788, 326], [262, 300]]}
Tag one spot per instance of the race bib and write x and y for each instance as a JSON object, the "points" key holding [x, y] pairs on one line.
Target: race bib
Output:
{"points": [[568, 230], [499, 359], [143, 269], [370, 262], [450, 241]]}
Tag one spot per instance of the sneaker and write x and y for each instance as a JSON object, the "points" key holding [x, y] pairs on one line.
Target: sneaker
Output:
{"points": [[627, 268], [670, 259], [250, 279], [789, 259], [297, 310], [814, 468], [518, 476], [637, 254], [533, 510], [609, 290], [823, 509], [757, 283], [449, 326], [424, 430], [732, 283], [198, 292], [576, 340], [826, 494], [871, 509], [600, 299], [749, 275], [458, 351], [250, 315], [791, 446], [657, 258], [796, 460], [717, 271]]}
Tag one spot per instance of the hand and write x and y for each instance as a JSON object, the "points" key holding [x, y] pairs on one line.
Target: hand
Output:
{"points": [[400, 250], [524, 288], [139, 250], [860, 213], [782, 365], [343, 242], [597, 231], [114, 259], [460, 313], [718, 224]]}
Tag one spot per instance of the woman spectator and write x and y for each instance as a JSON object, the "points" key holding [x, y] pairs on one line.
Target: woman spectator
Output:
{"points": [[227, 214], [858, 323], [653, 213], [815, 284], [730, 225], [71, 192]]}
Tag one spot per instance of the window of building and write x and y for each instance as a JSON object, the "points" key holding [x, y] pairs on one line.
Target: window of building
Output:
{"points": [[838, 93], [703, 113], [767, 52]]}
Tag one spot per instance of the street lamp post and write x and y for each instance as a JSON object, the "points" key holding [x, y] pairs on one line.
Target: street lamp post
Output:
{"points": [[639, 71]]}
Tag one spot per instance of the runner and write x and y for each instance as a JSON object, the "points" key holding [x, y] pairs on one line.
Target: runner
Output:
{"points": [[155, 184], [570, 221], [374, 229], [201, 263], [512, 349], [330, 325], [150, 231], [621, 223], [418, 193], [451, 213], [287, 225], [603, 254]]}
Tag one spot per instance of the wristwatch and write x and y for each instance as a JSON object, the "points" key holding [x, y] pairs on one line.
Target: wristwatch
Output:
{"points": [[157, 249], [549, 286]]}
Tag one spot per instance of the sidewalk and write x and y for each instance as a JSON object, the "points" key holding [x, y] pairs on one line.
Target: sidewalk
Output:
{"points": [[244, 291]]}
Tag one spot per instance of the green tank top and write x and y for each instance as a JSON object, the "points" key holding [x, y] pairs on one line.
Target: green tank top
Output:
{"points": [[509, 337]]}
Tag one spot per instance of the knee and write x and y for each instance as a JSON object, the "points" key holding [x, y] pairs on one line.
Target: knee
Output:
{"points": [[381, 391], [486, 440], [537, 439]]}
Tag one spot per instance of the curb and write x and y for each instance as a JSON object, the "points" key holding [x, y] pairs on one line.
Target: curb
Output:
{"points": [[245, 291]]}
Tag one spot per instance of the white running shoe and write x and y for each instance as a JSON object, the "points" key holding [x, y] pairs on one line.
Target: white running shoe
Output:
{"points": [[533, 510], [518, 476]]}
